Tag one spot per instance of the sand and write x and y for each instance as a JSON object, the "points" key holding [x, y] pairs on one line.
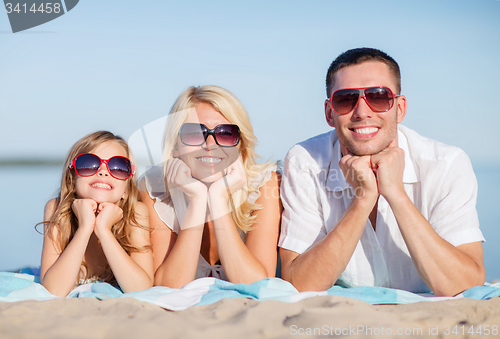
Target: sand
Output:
{"points": [[244, 318]]}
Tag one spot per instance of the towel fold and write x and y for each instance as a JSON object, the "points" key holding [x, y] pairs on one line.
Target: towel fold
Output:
{"points": [[22, 286]]}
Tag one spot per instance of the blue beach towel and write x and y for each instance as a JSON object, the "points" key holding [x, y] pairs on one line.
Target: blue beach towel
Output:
{"points": [[204, 291]]}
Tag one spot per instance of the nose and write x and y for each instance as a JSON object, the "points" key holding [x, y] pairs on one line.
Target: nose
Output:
{"points": [[362, 110], [103, 170], [210, 143]]}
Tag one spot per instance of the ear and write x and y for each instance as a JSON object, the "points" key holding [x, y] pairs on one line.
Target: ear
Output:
{"points": [[175, 151], [401, 106], [329, 113]]}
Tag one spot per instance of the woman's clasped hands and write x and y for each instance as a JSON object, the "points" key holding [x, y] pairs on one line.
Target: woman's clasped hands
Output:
{"points": [[233, 178], [179, 176], [232, 181]]}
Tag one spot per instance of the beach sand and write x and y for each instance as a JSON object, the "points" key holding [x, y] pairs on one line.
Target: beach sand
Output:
{"points": [[244, 318]]}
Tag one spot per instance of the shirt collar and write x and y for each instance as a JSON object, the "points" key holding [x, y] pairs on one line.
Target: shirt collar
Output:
{"points": [[337, 182], [409, 175]]}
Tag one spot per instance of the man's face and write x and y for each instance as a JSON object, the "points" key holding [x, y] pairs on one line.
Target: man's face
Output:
{"points": [[362, 131]]}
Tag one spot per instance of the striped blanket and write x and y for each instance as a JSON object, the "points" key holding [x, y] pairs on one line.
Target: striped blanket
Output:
{"points": [[21, 286]]}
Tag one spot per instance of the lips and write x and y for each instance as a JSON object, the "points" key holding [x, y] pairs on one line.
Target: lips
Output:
{"points": [[209, 160], [364, 131], [101, 185]]}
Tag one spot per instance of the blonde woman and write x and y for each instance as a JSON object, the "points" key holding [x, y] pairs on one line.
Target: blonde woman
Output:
{"points": [[214, 211], [96, 229]]}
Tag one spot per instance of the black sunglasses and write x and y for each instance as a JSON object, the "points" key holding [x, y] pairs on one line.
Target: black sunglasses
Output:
{"points": [[225, 135]]}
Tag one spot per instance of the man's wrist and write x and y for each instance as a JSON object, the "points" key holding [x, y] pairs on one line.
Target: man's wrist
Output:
{"points": [[396, 196], [365, 201]]}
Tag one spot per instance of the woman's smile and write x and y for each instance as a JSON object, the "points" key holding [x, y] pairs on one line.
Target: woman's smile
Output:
{"points": [[210, 161]]}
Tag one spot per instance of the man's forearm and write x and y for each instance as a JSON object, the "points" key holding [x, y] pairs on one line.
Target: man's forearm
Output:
{"points": [[320, 266], [446, 269]]}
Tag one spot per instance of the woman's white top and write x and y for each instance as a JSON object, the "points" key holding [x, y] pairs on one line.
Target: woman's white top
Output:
{"points": [[172, 213]]}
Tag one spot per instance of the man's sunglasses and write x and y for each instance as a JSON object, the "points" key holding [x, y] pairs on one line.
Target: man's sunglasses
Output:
{"points": [[225, 135], [88, 164], [379, 99]]}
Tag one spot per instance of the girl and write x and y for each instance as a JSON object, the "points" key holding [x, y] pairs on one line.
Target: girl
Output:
{"points": [[225, 224], [96, 229]]}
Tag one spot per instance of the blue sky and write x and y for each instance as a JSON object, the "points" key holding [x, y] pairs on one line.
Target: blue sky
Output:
{"points": [[119, 65]]}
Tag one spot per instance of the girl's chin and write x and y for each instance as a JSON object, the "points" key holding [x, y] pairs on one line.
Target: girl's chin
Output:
{"points": [[101, 200]]}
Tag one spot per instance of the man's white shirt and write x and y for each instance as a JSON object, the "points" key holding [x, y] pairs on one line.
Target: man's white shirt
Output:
{"points": [[437, 178]]}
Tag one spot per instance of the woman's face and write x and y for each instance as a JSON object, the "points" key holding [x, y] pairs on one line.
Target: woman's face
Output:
{"points": [[208, 161]]}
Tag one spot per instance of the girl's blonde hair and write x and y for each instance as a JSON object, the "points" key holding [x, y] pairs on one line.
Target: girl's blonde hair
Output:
{"points": [[64, 220], [232, 109]]}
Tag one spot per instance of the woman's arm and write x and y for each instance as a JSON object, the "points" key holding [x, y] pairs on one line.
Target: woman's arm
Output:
{"points": [[162, 237], [59, 271], [262, 241], [176, 256], [256, 258], [133, 272]]}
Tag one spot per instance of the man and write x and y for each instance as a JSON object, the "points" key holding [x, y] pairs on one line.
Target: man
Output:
{"points": [[372, 203]]}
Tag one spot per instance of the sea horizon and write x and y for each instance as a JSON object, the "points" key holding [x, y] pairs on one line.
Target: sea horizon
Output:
{"points": [[30, 183]]}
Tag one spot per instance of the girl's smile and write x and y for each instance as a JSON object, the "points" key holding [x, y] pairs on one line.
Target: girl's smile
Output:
{"points": [[101, 185]]}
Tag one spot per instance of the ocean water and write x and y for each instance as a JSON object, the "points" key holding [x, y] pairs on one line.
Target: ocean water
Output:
{"points": [[26, 189]]}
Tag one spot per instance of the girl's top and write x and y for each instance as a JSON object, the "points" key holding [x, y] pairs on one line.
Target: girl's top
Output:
{"points": [[172, 212], [88, 281]]}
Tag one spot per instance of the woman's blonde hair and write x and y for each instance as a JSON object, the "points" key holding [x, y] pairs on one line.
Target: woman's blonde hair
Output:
{"points": [[64, 220], [233, 110]]}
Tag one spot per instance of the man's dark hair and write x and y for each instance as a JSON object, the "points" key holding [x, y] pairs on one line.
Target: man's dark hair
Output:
{"points": [[357, 56]]}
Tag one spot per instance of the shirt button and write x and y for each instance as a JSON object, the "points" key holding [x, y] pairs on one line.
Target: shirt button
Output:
{"points": [[379, 249], [383, 210]]}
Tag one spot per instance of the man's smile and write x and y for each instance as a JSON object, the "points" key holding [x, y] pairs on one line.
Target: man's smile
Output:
{"points": [[365, 132]]}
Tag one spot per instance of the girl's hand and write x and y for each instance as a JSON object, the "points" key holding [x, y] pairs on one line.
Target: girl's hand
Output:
{"points": [[108, 215], [85, 210], [234, 180], [179, 176]]}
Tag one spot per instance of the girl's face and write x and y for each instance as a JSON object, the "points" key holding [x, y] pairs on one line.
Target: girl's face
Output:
{"points": [[102, 187], [208, 161]]}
